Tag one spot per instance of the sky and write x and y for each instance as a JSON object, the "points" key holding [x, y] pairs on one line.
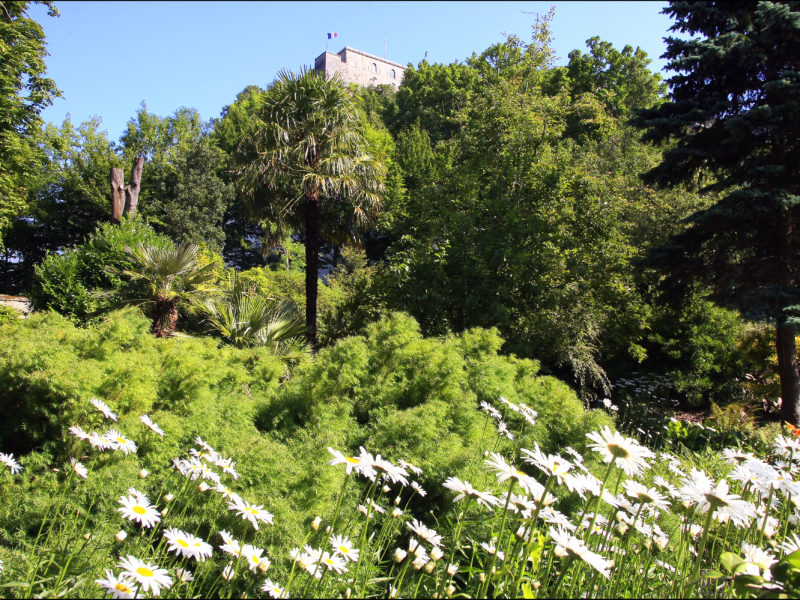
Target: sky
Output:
{"points": [[109, 57]]}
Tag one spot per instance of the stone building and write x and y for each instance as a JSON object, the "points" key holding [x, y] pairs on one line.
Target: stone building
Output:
{"points": [[356, 66]]}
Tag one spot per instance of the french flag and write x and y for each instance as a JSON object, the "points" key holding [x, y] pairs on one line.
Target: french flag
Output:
{"points": [[332, 35]]}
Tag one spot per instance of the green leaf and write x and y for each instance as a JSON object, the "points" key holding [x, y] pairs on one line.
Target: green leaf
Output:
{"points": [[730, 561], [527, 592]]}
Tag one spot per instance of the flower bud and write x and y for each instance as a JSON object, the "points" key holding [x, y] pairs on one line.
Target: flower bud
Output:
{"points": [[315, 523], [452, 570], [397, 513], [397, 501], [450, 590], [347, 593], [164, 512], [120, 537], [429, 567], [169, 497], [144, 473], [436, 553], [385, 489], [263, 565], [228, 573], [87, 536], [203, 487], [482, 576], [400, 555]]}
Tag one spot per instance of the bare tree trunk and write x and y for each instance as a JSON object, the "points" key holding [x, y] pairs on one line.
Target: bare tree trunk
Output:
{"points": [[132, 190], [117, 180], [785, 332], [313, 218]]}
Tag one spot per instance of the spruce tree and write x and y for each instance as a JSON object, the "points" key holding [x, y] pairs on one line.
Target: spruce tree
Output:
{"points": [[733, 121]]}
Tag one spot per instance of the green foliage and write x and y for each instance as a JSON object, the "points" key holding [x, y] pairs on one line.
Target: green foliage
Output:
{"points": [[248, 319], [65, 282], [53, 369], [8, 315], [416, 397], [26, 92], [700, 347]]}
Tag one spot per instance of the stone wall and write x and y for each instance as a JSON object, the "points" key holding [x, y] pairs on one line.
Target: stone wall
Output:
{"points": [[356, 66]]}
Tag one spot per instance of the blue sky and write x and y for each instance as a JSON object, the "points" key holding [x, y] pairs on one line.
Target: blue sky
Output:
{"points": [[108, 57]]}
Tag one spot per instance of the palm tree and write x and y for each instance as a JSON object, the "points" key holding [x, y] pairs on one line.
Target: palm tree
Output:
{"points": [[306, 160], [249, 319], [170, 275]]}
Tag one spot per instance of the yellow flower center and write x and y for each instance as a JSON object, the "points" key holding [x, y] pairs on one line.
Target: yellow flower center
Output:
{"points": [[344, 549], [121, 440], [255, 559], [618, 451], [122, 587], [144, 572], [350, 459], [182, 543], [327, 561], [139, 510], [252, 511]]}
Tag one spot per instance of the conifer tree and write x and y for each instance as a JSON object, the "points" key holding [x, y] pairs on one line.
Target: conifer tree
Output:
{"points": [[734, 118]]}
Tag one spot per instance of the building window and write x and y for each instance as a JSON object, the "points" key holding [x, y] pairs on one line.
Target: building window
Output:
{"points": [[392, 74], [374, 68]]}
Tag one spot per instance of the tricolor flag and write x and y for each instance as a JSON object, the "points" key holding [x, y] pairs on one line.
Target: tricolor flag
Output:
{"points": [[332, 35]]}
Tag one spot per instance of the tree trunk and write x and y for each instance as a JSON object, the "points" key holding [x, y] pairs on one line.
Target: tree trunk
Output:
{"points": [[313, 218], [132, 190], [787, 370], [165, 317], [117, 180], [785, 332]]}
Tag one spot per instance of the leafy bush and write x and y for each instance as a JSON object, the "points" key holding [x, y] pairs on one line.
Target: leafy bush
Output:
{"points": [[417, 397], [65, 282], [51, 369]]}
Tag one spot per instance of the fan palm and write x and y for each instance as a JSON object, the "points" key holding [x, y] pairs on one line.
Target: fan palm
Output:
{"points": [[248, 319], [170, 275], [305, 161]]}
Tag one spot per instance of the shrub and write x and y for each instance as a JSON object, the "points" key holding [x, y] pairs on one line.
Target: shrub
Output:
{"points": [[65, 281]]}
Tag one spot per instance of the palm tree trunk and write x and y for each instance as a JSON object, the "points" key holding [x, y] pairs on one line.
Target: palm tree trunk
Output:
{"points": [[313, 219], [785, 331], [165, 317]]}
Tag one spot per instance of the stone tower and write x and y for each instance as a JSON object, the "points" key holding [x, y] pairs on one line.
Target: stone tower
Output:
{"points": [[356, 66]]}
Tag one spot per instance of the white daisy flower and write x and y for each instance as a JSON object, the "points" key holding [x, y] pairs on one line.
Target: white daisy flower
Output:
{"points": [[760, 561], [251, 512], [464, 490], [228, 572], [486, 407], [184, 575], [78, 432], [80, 470], [373, 508], [199, 441], [101, 442], [227, 493], [734, 456], [149, 576], [409, 467], [502, 429], [641, 494], [252, 555], [551, 465], [790, 544], [274, 590], [418, 488], [786, 446], [427, 534], [581, 483], [344, 547], [353, 463], [186, 544], [104, 409], [665, 485], [9, 461], [333, 562], [228, 467], [699, 491], [148, 422], [577, 549], [394, 473], [137, 508], [492, 549], [118, 586], [122, 443], [627, 453], [504, 471]]}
